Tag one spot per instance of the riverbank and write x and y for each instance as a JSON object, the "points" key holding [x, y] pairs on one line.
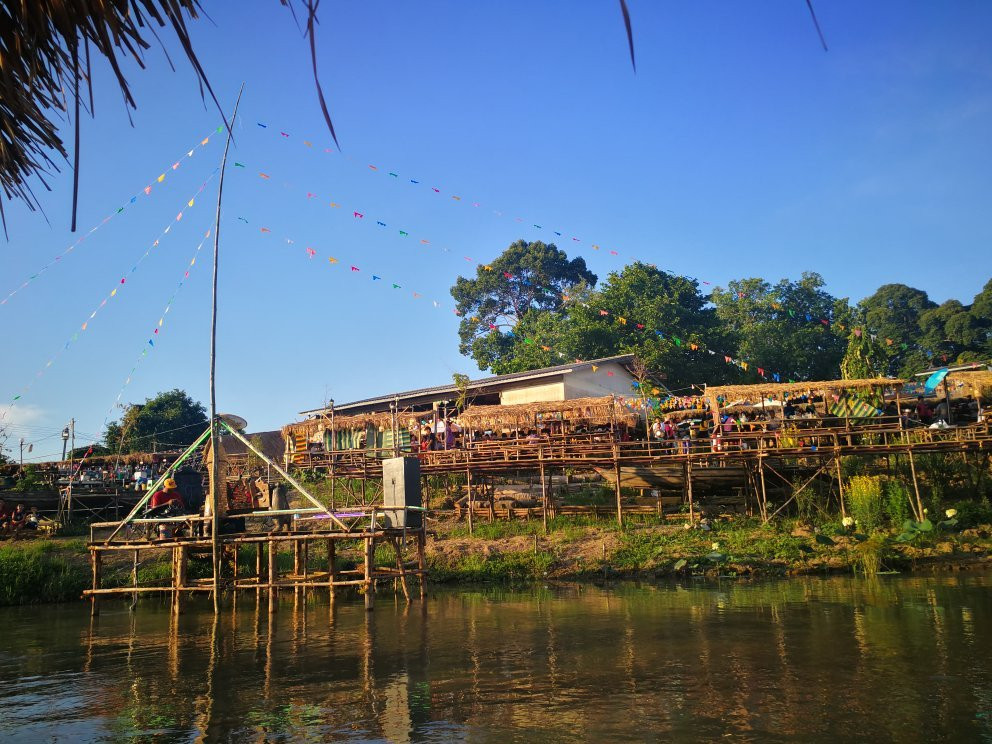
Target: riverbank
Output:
{"points": [[57, 570], [731, 548]]}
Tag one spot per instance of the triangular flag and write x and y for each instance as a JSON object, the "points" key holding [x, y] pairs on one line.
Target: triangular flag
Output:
{"points": [[331, 259]]}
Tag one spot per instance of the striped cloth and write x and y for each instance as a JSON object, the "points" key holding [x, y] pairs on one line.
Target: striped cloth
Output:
{"points": [[850, 407]]}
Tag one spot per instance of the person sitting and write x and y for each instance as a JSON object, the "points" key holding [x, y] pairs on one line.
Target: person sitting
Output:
{"points": [[168, 494], [4, 518], [165, 502], [18, 518], [923, 412]]}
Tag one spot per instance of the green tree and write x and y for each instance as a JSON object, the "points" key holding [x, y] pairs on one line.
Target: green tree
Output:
{"points": [[526, 278], [661, 318], [864, 358], [792, 328], [170, 420], [892, 314]]}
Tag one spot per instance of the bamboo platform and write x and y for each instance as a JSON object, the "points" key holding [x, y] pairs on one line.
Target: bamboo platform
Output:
{"points": [[366, 531], [755, 462]]}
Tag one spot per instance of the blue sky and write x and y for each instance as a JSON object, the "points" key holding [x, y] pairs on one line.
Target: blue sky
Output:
{"points": [[739, 148]]}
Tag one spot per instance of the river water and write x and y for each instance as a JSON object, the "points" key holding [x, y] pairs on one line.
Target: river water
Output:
{"points": [[897, 659]]}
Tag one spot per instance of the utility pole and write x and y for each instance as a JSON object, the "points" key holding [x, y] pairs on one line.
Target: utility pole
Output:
{"points": [[22, 454], [65, 441], [72, 447]]}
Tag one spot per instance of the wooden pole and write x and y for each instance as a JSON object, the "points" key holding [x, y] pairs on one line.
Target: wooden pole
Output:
{"points": [[96, 561], [259, 563], [215, 465], [422, 560], [840, 488], [273, 575], [916, 488], [401, 567], [616, 470], [369, 573], [334, 436], [764, 495], [468, 476], [331, 568], [544, 498], [688, 488]]}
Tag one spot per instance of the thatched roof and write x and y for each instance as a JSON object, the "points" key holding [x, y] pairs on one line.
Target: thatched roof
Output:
{"points": [[770, 390], [382, 420], [965, 383], [587, 411]]}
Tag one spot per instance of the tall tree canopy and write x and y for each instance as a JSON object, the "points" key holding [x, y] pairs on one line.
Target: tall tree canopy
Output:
{"points": [[170, 420], [526, 278], [893, 314], [534, 307], [790, 327]]}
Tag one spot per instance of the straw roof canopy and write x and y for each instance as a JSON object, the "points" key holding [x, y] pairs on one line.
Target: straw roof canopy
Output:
{"points": [[583, 411], [768, 390], [380, 420], [965, 383]]}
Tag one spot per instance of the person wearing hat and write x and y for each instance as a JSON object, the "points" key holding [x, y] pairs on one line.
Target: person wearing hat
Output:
{"points": [[167, 495]]}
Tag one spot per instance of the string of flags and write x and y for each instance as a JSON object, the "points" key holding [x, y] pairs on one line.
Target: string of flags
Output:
{"points": [[684, 344], [146, 191], [777, 307], [117, 287], [150, 345], [573, 239]]}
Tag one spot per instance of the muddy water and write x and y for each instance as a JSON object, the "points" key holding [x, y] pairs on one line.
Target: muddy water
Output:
{"points": [[901, 659]]}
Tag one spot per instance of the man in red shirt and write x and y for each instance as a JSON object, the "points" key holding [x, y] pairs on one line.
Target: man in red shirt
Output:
{"points": [[167, 495]]}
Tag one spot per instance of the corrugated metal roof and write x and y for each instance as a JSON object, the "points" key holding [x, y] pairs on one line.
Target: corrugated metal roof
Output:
{"points": [[475, 384]]}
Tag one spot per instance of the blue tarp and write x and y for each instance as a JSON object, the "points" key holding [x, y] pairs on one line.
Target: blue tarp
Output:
{"points": [[934, 380]]}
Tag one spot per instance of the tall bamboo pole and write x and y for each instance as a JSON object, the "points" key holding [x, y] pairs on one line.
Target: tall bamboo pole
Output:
{"points": [[215, 465]]}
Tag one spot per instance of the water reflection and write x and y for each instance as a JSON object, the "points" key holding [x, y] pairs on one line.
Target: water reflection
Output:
{"points": [[797, 660]]}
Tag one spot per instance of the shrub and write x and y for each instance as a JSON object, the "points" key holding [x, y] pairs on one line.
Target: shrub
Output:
{"points": [[896, 502], [972, 513], [866, 500]]}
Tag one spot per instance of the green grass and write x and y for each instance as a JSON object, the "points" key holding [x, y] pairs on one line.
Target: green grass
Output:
{"points": [[37, 572], [498, 567]]}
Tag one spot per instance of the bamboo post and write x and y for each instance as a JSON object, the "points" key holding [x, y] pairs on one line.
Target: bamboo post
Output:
{"points": [[215, 465], [401, 568], [331, 568], [688, 488], [492, 501], [422, 560], [273, 575], [468, 475], [179, 580], [764, 495], [840, 488], [134, 580], [616, 470], [297, 561], [259, 558], [369, 573], [916, 487], [544, 498], [96, 561]]}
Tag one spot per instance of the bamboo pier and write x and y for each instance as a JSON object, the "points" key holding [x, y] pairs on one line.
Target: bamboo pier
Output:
{"points": [[367, 530]]}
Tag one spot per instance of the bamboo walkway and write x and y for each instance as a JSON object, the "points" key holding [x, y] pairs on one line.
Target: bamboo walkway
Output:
{"points": [[365, 530]]}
